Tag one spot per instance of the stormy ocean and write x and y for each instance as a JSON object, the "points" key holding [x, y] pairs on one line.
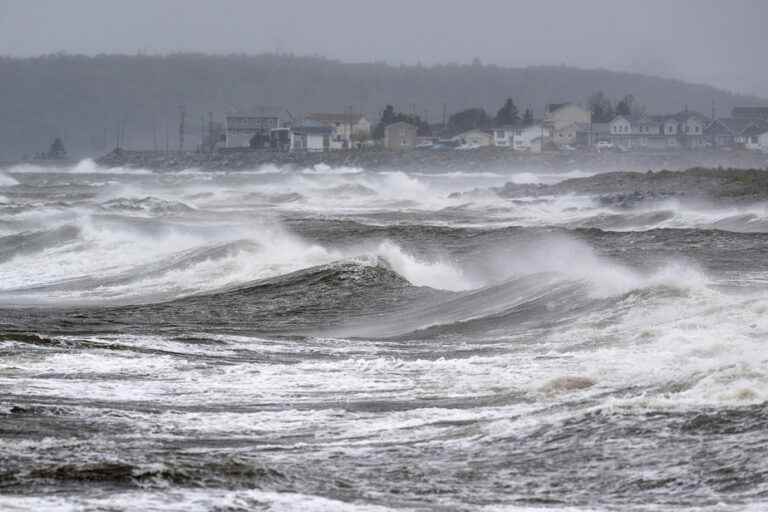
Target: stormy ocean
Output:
{"points": [[332, 339]]}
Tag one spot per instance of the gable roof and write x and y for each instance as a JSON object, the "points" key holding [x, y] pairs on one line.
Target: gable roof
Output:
{"points": [[400, 124], [552, 107], [313, 130], [756, 128], [736, 125]]}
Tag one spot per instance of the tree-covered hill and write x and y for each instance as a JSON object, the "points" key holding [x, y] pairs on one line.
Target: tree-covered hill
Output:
{"points": [[84, 100]]}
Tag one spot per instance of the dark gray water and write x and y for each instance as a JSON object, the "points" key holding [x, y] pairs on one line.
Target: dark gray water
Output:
{"points": [[335, 339]]}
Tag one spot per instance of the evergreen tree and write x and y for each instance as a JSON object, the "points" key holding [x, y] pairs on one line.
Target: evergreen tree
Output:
{"points": [[389, 116], [601, 107], [626, 106], [469, 119], [508, 114]]}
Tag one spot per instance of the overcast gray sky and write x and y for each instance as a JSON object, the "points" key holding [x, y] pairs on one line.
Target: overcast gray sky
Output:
{"points": [[719, 42]]}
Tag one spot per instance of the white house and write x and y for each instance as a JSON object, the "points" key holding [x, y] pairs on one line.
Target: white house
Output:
{"points": [[620, 129], [346, 127], [314, 139], [504, 136], [762, 142], [525, 137]]}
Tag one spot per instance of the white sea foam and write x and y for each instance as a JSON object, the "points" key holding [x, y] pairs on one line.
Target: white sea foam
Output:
{"points": [[328, 170], [187, 501], [7, 181], [86, 166]]}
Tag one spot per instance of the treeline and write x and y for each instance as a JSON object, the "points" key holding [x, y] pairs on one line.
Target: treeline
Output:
{"points": [[90, 102], [468, 119]]}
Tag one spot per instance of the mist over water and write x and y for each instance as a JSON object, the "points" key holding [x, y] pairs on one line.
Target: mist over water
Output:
{"points": [[339, 339]]}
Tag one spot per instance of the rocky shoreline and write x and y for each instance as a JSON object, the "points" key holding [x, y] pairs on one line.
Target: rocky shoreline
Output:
{"points": [[626, 189], [427, 160]]}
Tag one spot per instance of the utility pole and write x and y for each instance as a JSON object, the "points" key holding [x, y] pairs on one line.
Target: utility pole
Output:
{"points": [[202, 133], [154, 134], [182, 120], [211, 142], [445, 116]]}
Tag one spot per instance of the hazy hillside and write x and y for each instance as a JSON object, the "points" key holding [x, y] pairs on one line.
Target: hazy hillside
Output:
{"points": [[82, 99]]}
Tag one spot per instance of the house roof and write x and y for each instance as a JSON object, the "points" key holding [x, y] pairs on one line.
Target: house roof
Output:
{"points": [[756, 128], [735, 125], [750, 112], [400, 124], [313, 130], [552, 107], [330, 117]]}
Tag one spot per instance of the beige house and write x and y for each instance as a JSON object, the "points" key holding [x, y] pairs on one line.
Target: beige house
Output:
{"points": [[567, 135], [398, 136]]}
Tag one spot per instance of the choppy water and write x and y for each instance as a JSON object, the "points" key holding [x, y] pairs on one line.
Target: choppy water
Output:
{"points": [[336, 339]]}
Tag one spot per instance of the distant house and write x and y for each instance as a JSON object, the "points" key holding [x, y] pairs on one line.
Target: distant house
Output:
{"points": [[504, 136], [754, 136], [346, 127], [250, 129], [684, 129], [762, 141], [478, 138], [727, 132], [313, 139], [690, 131], [568, 135], [753, 113], [529, 138], [399, 136], [642, 132]]}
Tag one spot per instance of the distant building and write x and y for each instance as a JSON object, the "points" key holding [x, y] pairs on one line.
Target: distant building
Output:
{"points": [[400, 135], [347, 128], [727, 132], [314, 139], [761, 141], [684, 129], [753, 113], [755, 136], [529, 138], [250, 129], [691, 129], [567, 135], [504, 136]]}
